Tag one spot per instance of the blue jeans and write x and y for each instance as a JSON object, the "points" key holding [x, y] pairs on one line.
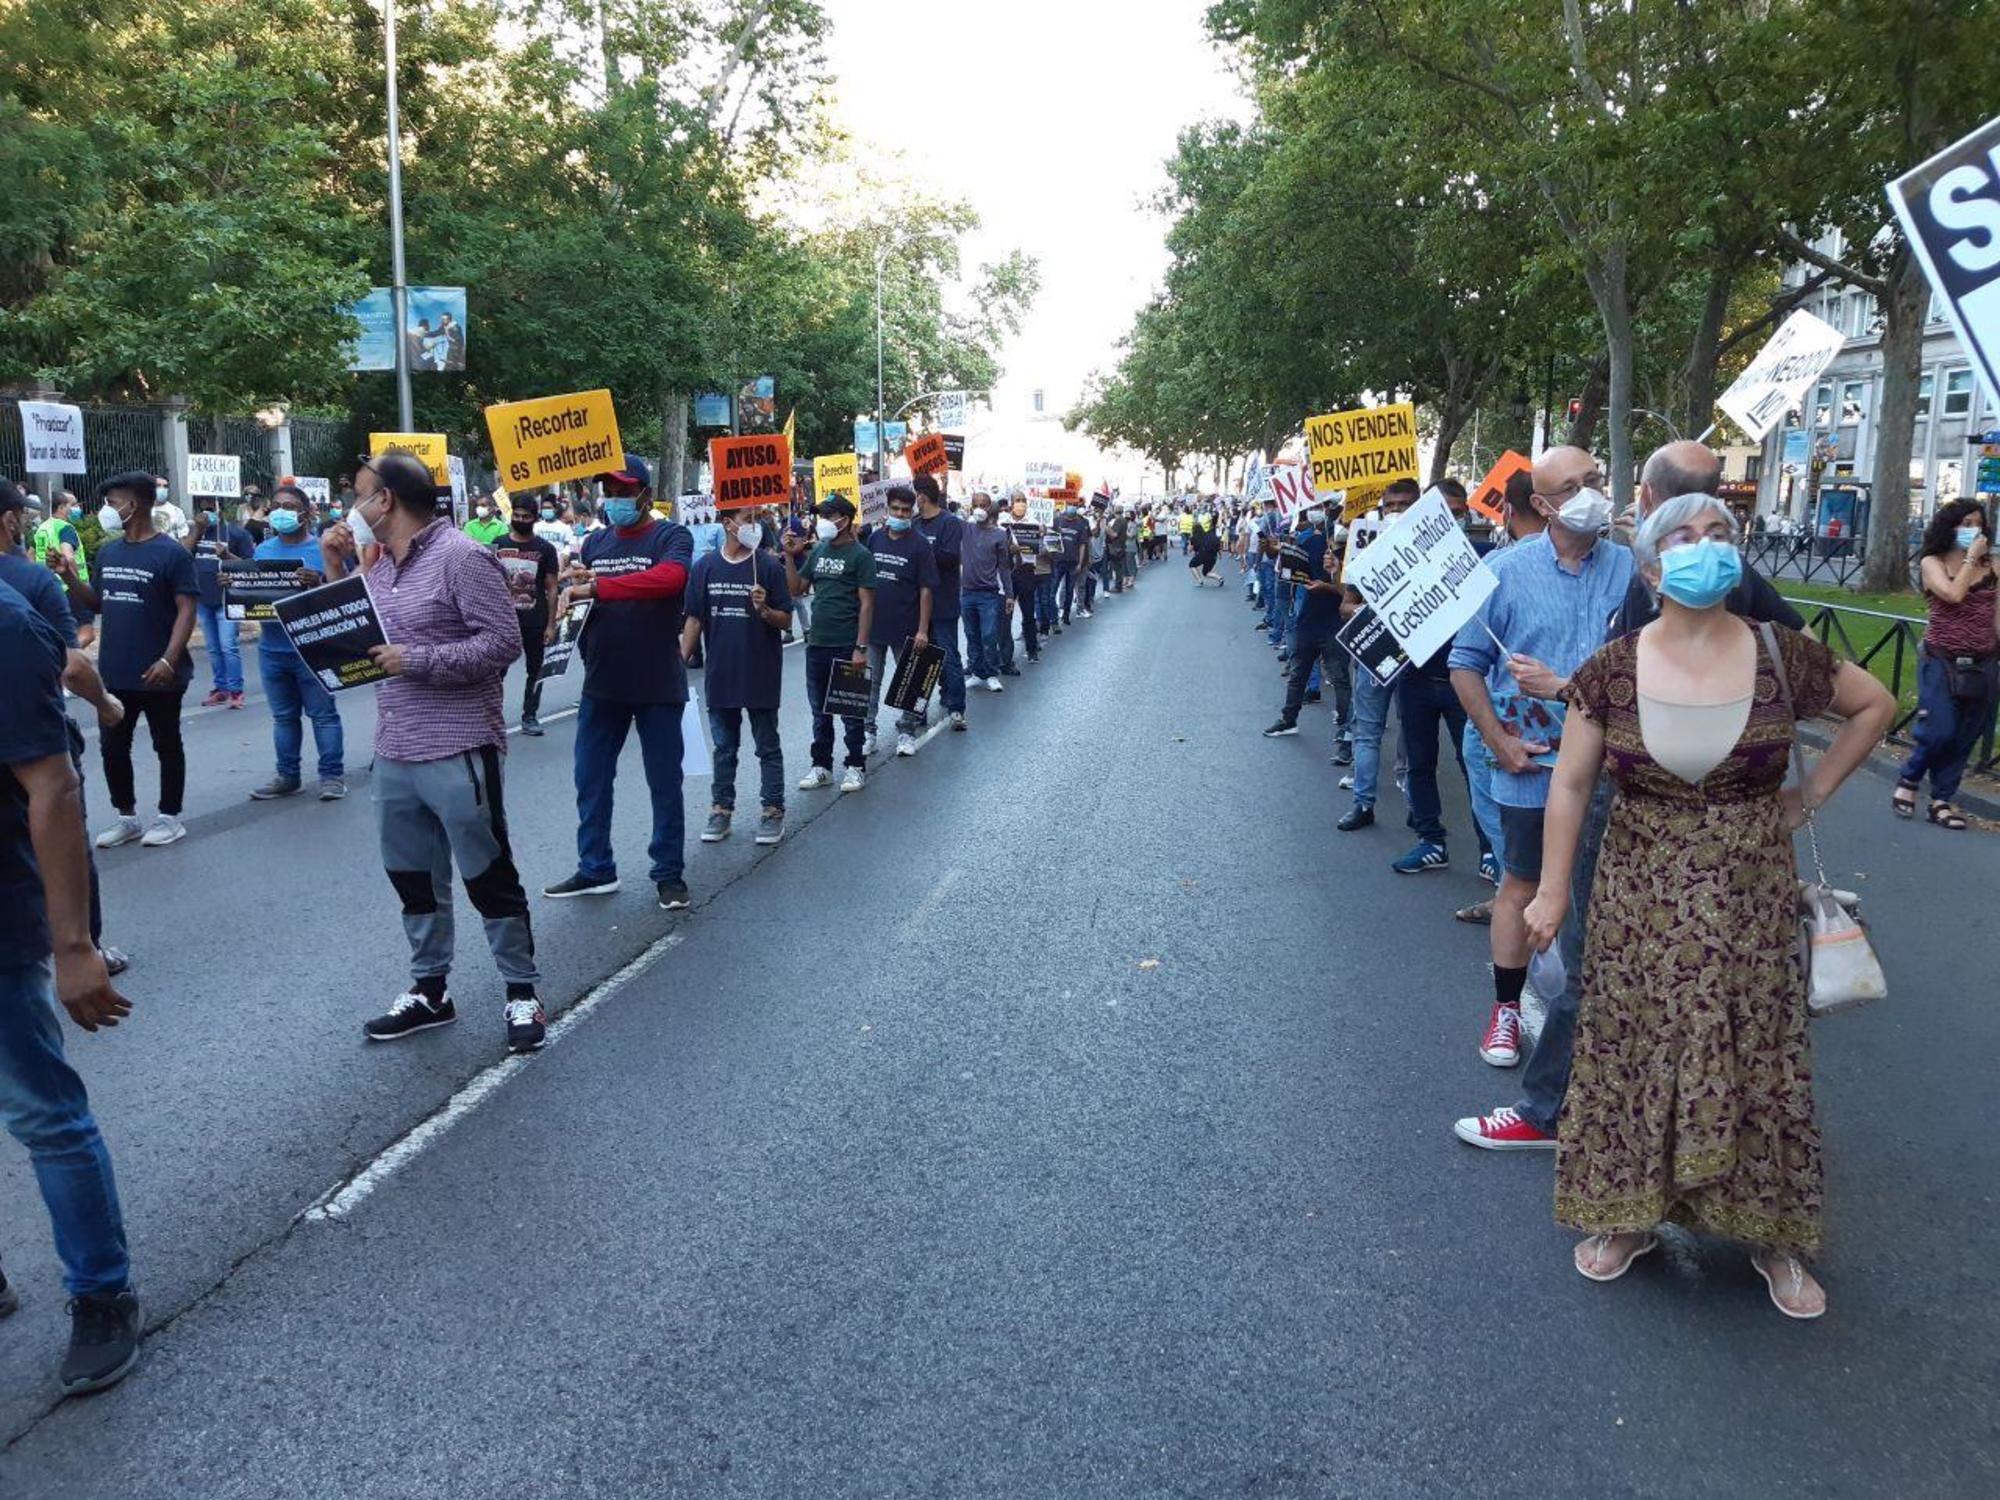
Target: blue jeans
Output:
{"points": [[726, 724], [1478, 763], [225, 658], [47, 1110], [820, 662], [1282, 616], [1045, 599], [1267, 590], [1371, 713], [291, 689], [1426, 707], [1946, 730], [601, 727], [980, 609], [1545, 1080], [951, 685], [1065, 587]]}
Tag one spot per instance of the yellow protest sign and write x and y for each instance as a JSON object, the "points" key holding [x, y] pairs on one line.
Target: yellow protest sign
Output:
{"points": [[1362, 452], [428, 448], [554, 437], [836, 474]]}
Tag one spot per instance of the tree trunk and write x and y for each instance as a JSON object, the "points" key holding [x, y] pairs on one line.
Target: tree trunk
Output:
{"points": [[1452, 414], [672, 479], [1614, 308], [1591, 407], [1903, 311], [1704, 350]]}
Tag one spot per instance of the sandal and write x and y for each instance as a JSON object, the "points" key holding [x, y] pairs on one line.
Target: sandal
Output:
{"points": [[1600, 1242], [1904, 800], [1946, 816], [1794, 1301], [1479, 916]]}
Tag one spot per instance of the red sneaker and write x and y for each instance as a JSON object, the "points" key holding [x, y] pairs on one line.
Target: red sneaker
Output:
{"points": [[1502, 1044], [1503, 1130], [215, 699], [235, 700]]}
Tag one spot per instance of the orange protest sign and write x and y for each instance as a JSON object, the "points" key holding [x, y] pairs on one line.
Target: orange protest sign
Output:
{"points": [[926, 455], [754, 470], [1493, 488]]}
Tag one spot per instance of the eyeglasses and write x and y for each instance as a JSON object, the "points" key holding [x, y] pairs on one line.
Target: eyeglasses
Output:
{"points": [[1685, 536]]}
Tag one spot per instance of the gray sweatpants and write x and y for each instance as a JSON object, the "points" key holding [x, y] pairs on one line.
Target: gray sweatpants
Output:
{"points": [[430, 813]]}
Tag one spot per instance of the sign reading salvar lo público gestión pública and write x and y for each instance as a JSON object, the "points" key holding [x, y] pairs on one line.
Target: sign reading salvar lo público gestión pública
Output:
{"points": [[332, 628], [1422, 577]]}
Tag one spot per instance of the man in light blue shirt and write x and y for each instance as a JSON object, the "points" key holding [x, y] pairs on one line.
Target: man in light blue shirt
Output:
{"points": [[1556, 591]]}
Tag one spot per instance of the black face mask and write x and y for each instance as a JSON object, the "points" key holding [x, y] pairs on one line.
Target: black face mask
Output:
{"points": [[526, 528]]}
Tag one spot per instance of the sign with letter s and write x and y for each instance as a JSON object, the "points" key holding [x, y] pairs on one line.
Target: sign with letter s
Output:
{"points": [[1950, 209]]}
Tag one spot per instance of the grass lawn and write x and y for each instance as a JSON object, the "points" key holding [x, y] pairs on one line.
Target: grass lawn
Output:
{"points": [[1853, 636]]}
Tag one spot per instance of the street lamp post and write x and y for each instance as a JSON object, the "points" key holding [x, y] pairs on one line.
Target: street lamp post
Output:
{"points": [[881, 437], [399, 290]]}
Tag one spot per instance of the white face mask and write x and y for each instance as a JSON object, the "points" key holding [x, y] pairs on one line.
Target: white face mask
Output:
{"points": [[364, 534], [109, 521], [1586, 510], [825, 529], [749, 536], [979, 515]]}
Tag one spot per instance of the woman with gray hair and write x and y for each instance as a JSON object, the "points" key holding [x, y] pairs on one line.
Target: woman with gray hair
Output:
{"points": [[1690, 1097]]}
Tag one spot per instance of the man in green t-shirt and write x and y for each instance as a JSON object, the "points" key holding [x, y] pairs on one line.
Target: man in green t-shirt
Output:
{"points": [[839, 575], [485, 526]]}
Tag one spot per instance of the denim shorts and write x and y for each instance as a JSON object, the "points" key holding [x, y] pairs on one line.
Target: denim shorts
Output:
{"points": [[1521, 841]]}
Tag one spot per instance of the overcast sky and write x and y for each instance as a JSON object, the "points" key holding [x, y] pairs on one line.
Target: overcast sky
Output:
{"points": [[1053, 118]]}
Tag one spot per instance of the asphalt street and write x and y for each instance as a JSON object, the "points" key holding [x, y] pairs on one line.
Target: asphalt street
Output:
{"points": [[1069, 1113]]}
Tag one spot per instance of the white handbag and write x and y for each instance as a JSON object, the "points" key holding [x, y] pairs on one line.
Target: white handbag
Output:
{"points": [[1842, 971]]}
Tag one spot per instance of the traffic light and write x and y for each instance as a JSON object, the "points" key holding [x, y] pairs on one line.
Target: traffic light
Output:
{"points": [[1575, 407]]}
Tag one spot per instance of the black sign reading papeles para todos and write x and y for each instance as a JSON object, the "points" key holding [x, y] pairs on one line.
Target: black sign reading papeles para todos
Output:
{"points": [[332, 628]]}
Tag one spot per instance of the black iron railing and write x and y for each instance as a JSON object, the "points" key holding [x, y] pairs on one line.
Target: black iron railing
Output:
{"points": [[1889, 646], [1814, 559]]}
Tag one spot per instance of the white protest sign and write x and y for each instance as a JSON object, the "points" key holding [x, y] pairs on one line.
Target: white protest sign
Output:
{"points": [[218, 474], [319, 491], [952, 408], [1291, 486], [1361, 535], [1041, 511], [1257, 482], [1422, 577], [1045, 476], [455, 466], [1802, 347], [1951, 215], [875, 502], [51, 438]]}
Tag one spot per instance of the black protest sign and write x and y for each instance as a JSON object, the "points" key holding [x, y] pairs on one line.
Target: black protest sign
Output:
{"points": [[847, 691], [249, 589], [332, 628], [1293, 564], [916, 677], [1027, 537], [954, 451], [1368, 641], [569, 631]]}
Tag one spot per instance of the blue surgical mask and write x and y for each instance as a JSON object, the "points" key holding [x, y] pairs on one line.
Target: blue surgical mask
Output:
{"points": [[548, 514], [1967, 535], [333, 512], [900, 523], [76, 512], [1700, 574], [621, 512], [284, 521]]}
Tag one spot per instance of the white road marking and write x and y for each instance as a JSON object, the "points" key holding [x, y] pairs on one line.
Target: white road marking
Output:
{"points": [[350, 1195], [555, 718]]}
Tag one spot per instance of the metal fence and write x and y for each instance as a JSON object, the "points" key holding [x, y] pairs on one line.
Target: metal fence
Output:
{"points": [[116, 439], [1814, 559], [326, 447], [1889, 646], [247, 438]]}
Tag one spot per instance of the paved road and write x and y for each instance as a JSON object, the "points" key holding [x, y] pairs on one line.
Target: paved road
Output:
{"points": [[1069, 1114]]}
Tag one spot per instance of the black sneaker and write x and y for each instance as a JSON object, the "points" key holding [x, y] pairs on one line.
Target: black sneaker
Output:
{"points": [[1343, 754], [580, 884], [527, 1026], [103, 1341], [408, 1014], [10, 1300], [673, 895], [1281, 727], [532, 726], [1357, 817]]}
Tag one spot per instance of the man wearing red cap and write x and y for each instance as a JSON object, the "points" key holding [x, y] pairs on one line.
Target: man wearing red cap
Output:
{"points": [[635, 568]]}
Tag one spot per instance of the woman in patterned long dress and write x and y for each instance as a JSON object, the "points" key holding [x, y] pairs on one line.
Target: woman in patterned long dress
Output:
{"points": [[1690, 1097]]}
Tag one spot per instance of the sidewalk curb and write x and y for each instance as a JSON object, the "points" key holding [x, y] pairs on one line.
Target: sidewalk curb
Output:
{"points": [[1885, 763]]}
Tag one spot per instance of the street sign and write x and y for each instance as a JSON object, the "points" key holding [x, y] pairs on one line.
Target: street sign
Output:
{"points": [[1802, 347], [1950, 209]]}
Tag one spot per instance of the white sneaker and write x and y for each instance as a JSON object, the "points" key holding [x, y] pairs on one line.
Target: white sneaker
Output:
{"points": [[124, 831], [995, 685], [165, 830], [869, 744], [1347, 783], [1085, 613], [816, 778], [854, 780], [906, 744]]}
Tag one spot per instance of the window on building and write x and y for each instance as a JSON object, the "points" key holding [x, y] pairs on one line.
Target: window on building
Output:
{"points": [[1925, 387], [1853, 402], [1753, 468], [1823, 408], [1861, 314], [1957, 393], [1038, 403], [1950, 478]]}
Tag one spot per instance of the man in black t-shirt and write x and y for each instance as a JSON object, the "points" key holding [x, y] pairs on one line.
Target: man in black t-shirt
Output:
{"points": [[532, 566], [635, 568], [906, 582]]}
